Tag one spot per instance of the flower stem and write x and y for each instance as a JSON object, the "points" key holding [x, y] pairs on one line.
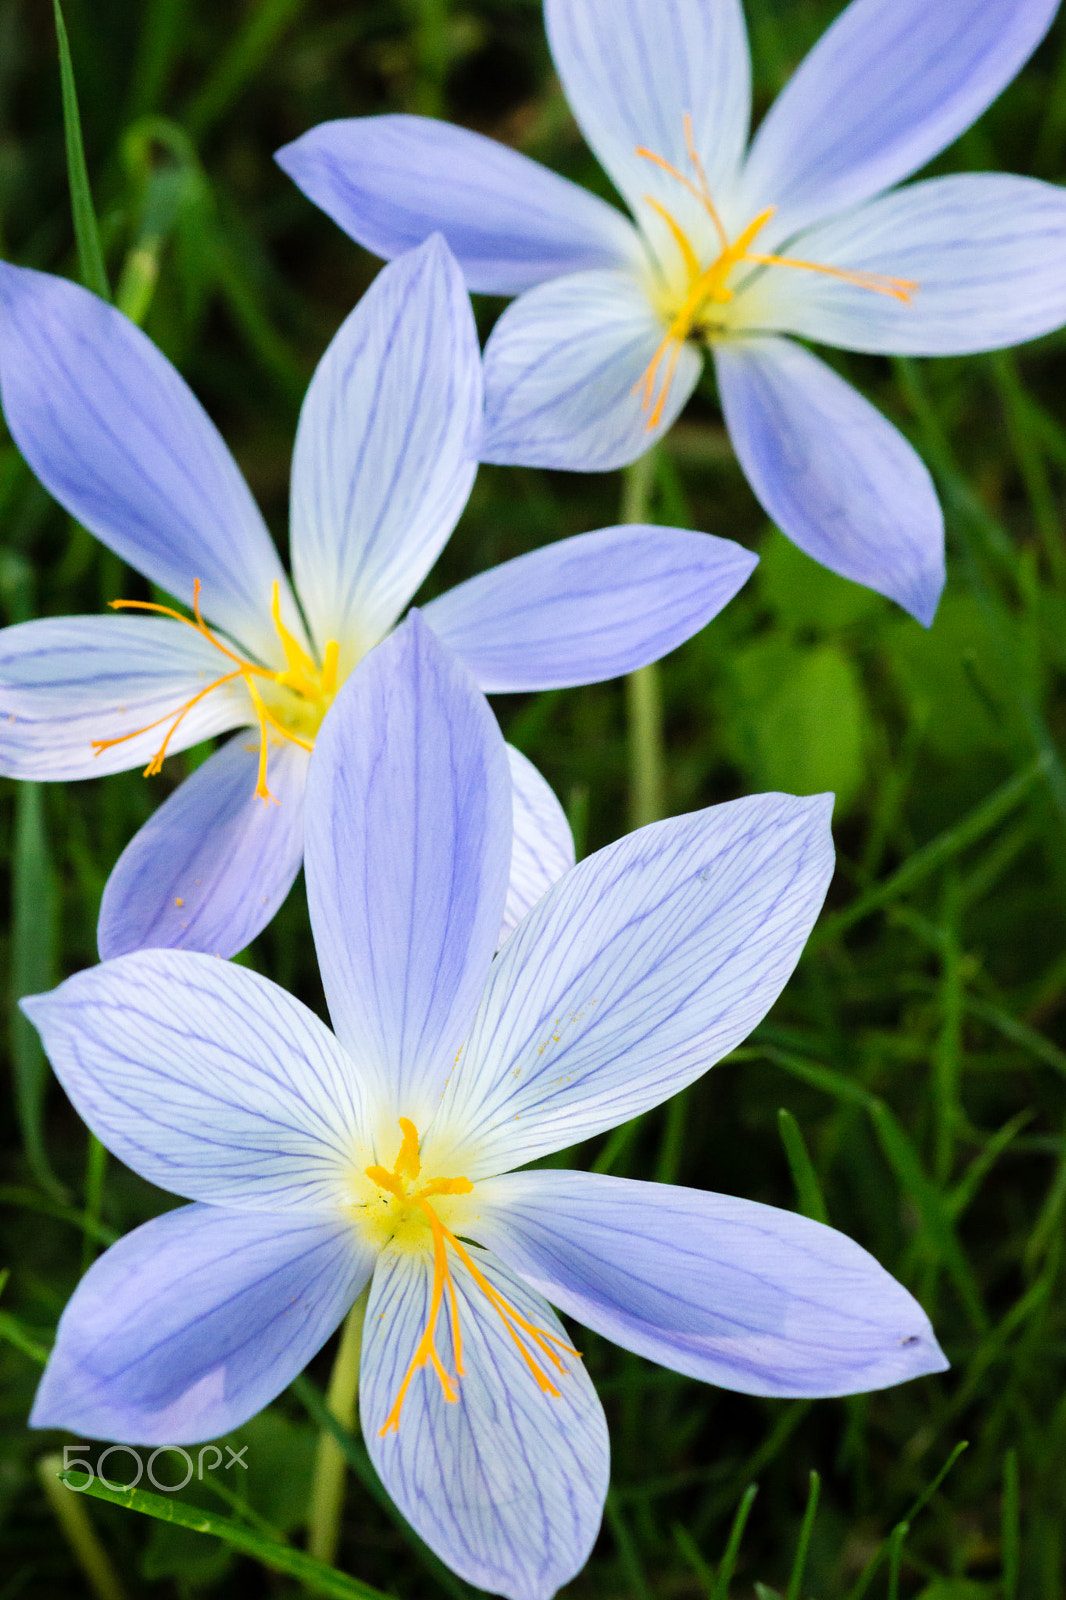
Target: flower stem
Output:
{"points": [[327, 1485], [647, 776], [73, 1517]]}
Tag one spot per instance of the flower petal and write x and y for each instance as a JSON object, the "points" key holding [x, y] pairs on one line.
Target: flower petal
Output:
{"points": [[588, 608], [563, 367], [631, 69], [732, 1292], [391, 181], [408, 841], [986, 251], [122, 442], [507, 1484], [888, 86], [207, 1079], [211, 867], [192, 1323], [67, 681], [648, 962], [832, 472], [386, 449], [543, 846]]}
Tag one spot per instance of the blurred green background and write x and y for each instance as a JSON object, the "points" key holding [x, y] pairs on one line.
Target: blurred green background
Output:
{"points": [[918, 1054]]}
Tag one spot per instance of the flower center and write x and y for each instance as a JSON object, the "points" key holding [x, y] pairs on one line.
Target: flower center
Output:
{"points": [[690, 310], [289, 704], [534, 1344]]}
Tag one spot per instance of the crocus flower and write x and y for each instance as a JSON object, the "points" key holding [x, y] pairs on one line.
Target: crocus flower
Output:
{"points": [[385, 1153], [385, 457], [733, 248]]}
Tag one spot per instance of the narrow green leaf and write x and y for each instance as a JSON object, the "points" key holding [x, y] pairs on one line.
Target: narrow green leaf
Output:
{"points": [[944, 848], [33, 951], [1011, 1526], [808, 1189], [14, 1333], [250, 49], [628, 1556], [897, 1539], [72, 1514], [86, 233], [939, 1230], [736, 1533], [868, 1573], [95, 1176], [12, 1194], [690, 1550], [812, 1072], [807, 1528], [314, 1575], [432, 47]]}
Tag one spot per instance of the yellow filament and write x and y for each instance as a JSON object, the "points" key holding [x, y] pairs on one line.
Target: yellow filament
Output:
{"points": [[708, 285], [524, 1333], [301, 675]]}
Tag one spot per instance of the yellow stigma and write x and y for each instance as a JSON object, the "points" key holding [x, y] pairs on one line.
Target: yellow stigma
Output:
{"points": [[288, 704], [706, 286], [534, 1344]]}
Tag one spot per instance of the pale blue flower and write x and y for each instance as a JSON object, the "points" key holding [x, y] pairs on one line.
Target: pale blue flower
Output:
{"points": [[734, 248], [385, 1154], [385, 457]]}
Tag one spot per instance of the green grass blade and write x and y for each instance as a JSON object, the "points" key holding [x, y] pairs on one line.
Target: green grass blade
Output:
{"points": [[937, 853], [928, 1200], [86, 233], [808, 1189], [736, 1533], [72, 1514], [1011, 1526], [250, 50], [33, 944], [628, 1556], [806, 1529], [314, 1575]]}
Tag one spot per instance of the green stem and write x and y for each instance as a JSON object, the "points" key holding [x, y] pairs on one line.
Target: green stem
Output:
{"points": [[95, 1174], [327, 1486], [647, 774], [73, 1517]]}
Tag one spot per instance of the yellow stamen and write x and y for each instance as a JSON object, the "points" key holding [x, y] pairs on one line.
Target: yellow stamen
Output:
{"points": [[524, 1333], [708, 286], [681, 239], [314, 687], [407, 1163]]}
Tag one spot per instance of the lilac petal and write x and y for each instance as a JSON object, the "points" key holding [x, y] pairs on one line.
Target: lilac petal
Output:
{"points": [[732, 1292], [643, 966], [386, 450], [588, 608], [563, 367], [122, 442], [985, 251], [207, 1079], [832, 472], [211, 867], [391, 181], [507, 1484], [543, 844], [67, 681], [191, 1324], [886, 88], [631, 70], [408, 845]]}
